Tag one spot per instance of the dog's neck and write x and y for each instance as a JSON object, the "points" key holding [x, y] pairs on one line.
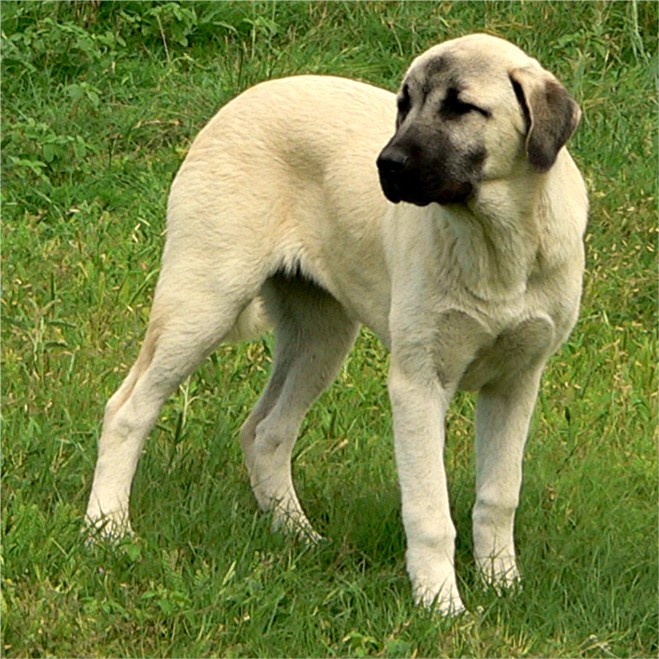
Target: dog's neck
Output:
{"points": [[496, 238]]}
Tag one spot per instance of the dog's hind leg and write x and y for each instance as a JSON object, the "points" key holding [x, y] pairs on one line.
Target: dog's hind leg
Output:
{"points": [[191, 314], [313, 335]]}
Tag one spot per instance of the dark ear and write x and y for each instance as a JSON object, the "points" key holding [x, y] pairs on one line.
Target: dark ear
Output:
{"points": [[551, 114]]}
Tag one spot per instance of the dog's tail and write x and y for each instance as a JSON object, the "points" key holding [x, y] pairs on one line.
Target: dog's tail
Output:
{"points": [[252, 323]]}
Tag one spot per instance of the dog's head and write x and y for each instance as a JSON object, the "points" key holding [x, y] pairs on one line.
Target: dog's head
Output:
{"points": [[471, 110]]}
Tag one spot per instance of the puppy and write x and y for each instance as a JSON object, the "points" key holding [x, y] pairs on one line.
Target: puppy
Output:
{"points": [[458, 241]]}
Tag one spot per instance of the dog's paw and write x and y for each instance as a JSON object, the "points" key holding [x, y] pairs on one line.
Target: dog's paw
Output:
{"points": [[110, 527], [499, 572], [444, 600], [295, 525]]}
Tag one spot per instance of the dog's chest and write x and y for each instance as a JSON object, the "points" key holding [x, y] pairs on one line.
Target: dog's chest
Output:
{"points": [[517, 348], [473, 352]]}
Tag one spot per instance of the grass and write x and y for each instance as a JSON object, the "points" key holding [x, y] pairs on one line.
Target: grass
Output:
{"points": [[100, 101]]}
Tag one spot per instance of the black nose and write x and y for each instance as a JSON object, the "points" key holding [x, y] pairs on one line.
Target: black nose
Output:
{"points": [[392, 161]]}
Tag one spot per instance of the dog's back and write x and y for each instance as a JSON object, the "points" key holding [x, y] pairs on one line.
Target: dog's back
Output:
{"points": [[285, 170]]}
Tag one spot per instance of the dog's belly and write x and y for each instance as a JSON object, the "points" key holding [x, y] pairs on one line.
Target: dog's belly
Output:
{"points": [[514, 350]]}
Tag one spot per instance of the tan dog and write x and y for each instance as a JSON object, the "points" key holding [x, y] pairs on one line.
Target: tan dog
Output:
{"points": [[277, 216]]}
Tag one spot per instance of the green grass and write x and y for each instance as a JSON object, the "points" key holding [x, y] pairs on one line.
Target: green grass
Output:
{"points": [[100, 101]]}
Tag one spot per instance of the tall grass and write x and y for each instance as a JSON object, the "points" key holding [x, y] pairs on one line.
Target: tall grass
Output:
{"points": [[100, 101]]}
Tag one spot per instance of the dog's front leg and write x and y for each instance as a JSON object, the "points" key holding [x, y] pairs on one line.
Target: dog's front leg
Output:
{"points": [[419, 404], [503, 414]]}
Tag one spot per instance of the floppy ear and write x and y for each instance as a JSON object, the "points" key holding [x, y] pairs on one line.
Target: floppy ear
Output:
{"points": [[551, 114]]}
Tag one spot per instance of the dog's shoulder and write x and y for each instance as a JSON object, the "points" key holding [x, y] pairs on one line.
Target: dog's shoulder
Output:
{"points": [[563, 215]]}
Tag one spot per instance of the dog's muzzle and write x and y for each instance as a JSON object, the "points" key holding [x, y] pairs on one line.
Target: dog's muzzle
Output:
{"points": [[391, 168], [394, 171], [401, 180]]}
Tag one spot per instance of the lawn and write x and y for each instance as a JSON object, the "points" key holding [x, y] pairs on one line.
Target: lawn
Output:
{"points": [[100, 102]]}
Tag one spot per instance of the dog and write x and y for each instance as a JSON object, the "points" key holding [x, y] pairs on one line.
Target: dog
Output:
{"points": [[458, 241]]}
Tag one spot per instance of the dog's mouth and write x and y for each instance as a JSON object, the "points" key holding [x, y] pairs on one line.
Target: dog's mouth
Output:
{"points": [[452, 192], [401, 179]]}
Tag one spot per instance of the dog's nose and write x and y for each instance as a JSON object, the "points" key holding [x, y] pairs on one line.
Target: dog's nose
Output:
{"points": [[392, 161]]}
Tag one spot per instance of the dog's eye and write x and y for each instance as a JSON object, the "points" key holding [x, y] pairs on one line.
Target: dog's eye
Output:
{"points": [[403, 102], [452, 106]]}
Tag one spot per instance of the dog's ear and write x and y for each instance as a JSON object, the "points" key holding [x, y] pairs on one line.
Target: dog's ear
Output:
{"points": [[551, 114]]}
